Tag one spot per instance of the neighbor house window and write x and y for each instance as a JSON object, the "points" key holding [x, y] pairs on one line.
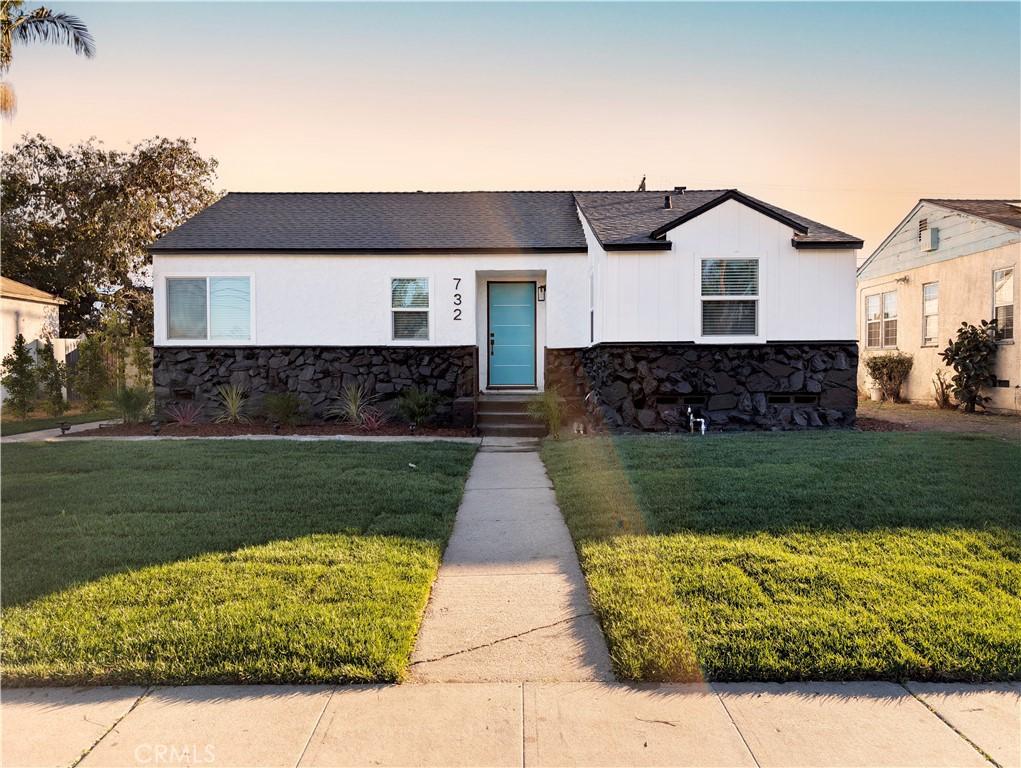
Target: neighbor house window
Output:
{"points": [[730, 297], [930, 314], [1003, 303], [881, 320], [409, 308], [209, 308]]}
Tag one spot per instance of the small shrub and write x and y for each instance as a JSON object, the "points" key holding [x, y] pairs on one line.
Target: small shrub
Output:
{"points": [[373, 418], [889, 371], [549, 409], [973, 357], [351, 406], [416, 406], [52, 376], [186, 413], [942, 389], [282, 407], [233, 405], [141, 361], [133, 403], [19, 378], [91, 378]]}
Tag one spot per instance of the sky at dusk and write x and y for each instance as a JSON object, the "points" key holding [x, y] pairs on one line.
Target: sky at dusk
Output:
{"points": [[846, 113]]}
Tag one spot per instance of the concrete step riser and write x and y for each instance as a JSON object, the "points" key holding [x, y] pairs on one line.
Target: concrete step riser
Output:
{"points": [[503, 406], [498, 419], [533, 430]]}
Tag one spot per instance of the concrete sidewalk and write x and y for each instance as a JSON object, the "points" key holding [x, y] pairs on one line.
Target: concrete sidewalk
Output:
{"points": [[51, 434], [516, 724], [510, 602]]}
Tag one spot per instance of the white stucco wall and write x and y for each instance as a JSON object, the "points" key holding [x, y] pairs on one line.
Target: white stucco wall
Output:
{"points": [[805, 295], [344, 300]]}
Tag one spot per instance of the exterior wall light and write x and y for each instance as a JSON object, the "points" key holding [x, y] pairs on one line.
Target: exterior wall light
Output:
{"points": [[541, 290]]}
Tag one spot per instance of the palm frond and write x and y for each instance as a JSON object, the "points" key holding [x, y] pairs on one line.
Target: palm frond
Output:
{"points": [[44, 26], [8, 102]]}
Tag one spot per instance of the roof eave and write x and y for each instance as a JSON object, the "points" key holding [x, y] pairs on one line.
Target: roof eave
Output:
{"points": [[851, 245], [349, 251], [659, 246]]}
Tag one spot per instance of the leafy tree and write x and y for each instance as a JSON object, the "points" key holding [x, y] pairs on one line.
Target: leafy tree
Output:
{"points": [[141, 361], [39, 26], [77, 222], [19, 378], [973, 357], [52, 377], [91, 376]]}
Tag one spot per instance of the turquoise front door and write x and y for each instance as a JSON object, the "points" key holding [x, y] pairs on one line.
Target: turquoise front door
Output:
{"points": [[512, 334]]}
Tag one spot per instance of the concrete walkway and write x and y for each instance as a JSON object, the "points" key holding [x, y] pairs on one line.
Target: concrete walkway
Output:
{"points": [[517, 724], [510, 602], [50, 434]]}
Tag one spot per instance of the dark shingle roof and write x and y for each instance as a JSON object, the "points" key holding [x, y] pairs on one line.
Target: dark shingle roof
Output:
{"points": [[383, 221], [638, 219], [1004, 212], [460, 221]]}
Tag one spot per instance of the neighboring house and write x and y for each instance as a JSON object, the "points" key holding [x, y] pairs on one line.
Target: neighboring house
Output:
{"points": [[645, 303], [947, 262], [33, 313]]}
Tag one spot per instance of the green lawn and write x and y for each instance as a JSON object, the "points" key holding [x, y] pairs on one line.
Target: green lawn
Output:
{"points": [[13, 426], [220, 561], [834, 555]]}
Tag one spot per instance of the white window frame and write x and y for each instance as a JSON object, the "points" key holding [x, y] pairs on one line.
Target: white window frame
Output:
{"points": [[925, 317], [882, 319], [1013, 302], [757, 298], [428, 310], [208, 342]]}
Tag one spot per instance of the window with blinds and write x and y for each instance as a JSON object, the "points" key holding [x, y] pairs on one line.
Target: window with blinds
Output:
{"points": [[881, 320], [730, 297], [1003, 303], [209, 309], [186, 308], [409, 308], [930, 314]]}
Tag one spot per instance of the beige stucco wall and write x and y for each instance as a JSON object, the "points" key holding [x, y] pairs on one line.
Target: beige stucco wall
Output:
{"points": [[965, 294], [32, 319]]}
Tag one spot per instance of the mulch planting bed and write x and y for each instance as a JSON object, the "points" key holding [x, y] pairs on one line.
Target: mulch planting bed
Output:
{"points": [[261, 428]]}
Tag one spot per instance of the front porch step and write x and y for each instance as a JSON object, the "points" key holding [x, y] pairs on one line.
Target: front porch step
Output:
{"points": [[512, 430], [516, 403], [506, 415]]}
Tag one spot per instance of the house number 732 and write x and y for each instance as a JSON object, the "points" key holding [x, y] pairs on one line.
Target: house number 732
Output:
{"points": [[457, 298]]}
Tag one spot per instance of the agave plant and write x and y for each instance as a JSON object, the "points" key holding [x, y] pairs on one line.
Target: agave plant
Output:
{"points": [[233, 402], [185, 414], [352, 405]]}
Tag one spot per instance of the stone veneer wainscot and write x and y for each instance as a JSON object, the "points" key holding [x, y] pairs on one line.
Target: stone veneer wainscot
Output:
{"points": [[317, 375], [650, 386]]}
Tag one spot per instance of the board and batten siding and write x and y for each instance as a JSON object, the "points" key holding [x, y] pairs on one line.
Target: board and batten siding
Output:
{"points": [[655, 296], [344, 300]]}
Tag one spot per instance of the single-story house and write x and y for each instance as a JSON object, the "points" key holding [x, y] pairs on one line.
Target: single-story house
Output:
{"points": [[33, 313], [947, 262], [639, 304]]}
